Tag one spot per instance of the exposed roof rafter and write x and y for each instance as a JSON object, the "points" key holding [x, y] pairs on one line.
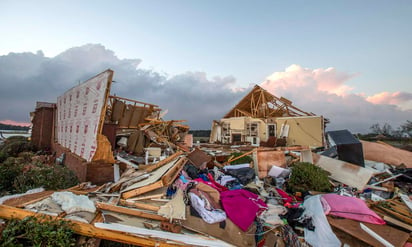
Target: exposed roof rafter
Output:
{"points": [[259, 103]]}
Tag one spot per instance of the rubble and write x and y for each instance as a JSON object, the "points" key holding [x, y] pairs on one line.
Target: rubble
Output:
{"points": [[165, 191]]}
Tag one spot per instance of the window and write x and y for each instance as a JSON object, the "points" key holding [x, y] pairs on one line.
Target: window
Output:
{"points": [[271, 130], [252, 129], [236, 138], [226, 129]]}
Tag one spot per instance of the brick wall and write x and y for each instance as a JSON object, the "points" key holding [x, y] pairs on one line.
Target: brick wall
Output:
{"points": [[42, 130]]}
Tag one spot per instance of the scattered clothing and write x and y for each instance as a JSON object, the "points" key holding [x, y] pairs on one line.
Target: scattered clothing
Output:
{"points": [[242, 207]]}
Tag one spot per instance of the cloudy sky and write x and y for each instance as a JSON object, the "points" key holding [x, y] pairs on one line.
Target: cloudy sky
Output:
{"points": [[346, 60]]}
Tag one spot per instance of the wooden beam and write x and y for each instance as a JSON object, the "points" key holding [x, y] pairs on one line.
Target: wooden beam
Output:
{"points": [[141, 190], [173, 172], [7, 212], [165, 180], [128, 211], [131, 100], [139, 205], [397, 223], [241, 156], [152, 167], [157, 196]]}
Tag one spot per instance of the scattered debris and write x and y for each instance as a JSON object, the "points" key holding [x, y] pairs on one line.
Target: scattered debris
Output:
{"points": [[286, 188]]}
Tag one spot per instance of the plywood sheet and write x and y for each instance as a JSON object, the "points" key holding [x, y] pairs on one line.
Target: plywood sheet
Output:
{"points": [[344, 172], [268, 158], [226, 230], [199, 158], [352, 227], [154, 176]]}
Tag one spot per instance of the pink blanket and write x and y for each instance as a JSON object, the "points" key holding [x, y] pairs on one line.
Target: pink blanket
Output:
{"points": [[351, 208]]}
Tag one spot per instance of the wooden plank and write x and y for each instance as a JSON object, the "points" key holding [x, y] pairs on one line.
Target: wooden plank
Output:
{"points": [[155, 176], [27, 199], [98, 218], [152, 167], [173, 172], [397, 215], [241, 156], [106, 96], [406, 200], [141, 190], [139, 205], [157, 196], [397, 222], [129, 211], [376, 236], [352, 227], [166, 179], [7, 212]]}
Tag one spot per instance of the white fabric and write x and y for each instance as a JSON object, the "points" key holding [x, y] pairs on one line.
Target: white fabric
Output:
{"points": [[323, 234], [71, 203], [225, 179], [238, 166], [276, 171], [210, 216], [271, 215]]}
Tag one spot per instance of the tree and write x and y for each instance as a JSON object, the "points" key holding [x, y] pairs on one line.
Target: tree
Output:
{"points": [[387, 129], [407, 127], [376, 129]]}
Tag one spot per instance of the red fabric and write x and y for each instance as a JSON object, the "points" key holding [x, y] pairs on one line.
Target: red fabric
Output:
{"points": [[212, 184], [242, 207], [351, 208], [286, 197]]}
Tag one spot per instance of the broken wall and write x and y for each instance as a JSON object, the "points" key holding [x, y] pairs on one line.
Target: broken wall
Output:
{"points": [[94, 172], [80, 115], [306, 131], [225, 130], [43, 122]]}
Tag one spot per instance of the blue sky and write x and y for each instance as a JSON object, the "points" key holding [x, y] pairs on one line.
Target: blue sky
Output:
{"points": [[247, 40]]}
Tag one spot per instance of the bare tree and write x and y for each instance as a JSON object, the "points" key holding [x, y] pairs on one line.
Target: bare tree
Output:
{"points": [[387, 129], [407, 127], [376, 129]]}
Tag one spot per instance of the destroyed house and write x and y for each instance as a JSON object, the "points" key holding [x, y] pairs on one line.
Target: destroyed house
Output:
{"points": [[88, 129], [262, 119], [171, 194]]}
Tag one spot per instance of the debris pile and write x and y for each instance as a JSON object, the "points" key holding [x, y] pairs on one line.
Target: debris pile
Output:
{"points": [[268, 177], [284, 195]]}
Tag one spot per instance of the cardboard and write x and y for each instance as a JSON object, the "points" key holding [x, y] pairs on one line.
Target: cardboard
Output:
{"points": [[226, 231]]}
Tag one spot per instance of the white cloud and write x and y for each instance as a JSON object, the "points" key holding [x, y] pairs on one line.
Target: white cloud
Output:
{"points": [[325, 92], [192, 96]]}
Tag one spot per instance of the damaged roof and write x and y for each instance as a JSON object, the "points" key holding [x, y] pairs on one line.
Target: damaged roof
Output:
{"points": [[259, 103]]}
